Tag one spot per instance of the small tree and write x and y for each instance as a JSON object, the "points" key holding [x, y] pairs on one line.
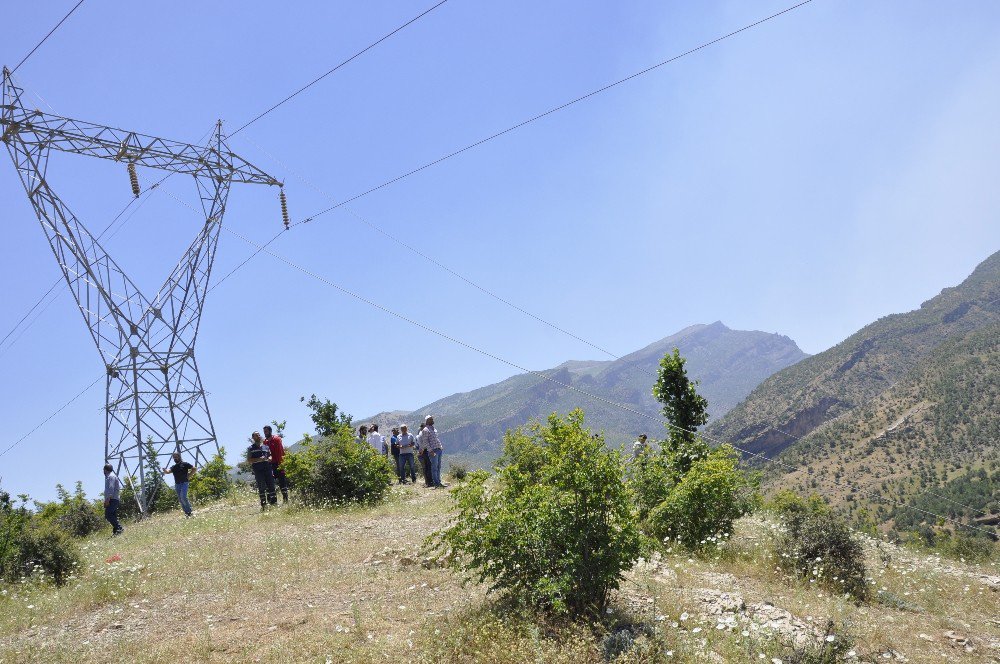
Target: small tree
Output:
{"points": [[554, 527], [325, 416], [212, 480], [684, 408]]}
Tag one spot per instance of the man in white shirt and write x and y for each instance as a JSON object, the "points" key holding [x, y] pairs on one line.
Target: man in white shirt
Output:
{"points": [[376, 440]]}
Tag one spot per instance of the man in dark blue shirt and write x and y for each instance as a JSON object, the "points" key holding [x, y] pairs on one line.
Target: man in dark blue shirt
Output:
{"points": [[181, 470], [259, 458]]}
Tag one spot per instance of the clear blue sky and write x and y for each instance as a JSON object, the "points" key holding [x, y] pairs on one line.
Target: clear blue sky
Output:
{"points": [[827, 168]]}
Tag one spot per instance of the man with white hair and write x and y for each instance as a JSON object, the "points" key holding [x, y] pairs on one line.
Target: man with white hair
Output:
{"points": [[430, 441]]}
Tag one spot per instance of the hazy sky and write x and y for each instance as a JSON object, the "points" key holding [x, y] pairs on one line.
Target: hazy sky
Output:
{"points": [[806, 177]]}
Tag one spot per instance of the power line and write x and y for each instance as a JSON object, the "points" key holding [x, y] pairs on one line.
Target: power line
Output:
{"points": [[555, 109], [356, 55], [57, 411], [39, 44]]}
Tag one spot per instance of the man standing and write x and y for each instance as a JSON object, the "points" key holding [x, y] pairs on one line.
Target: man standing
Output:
{"points": [[259, 459], [407, 447], [112, 496], [425, 458], [432, 442], [277, 449], [394, 449], [181, 471], [376, 440], [639, 446]]}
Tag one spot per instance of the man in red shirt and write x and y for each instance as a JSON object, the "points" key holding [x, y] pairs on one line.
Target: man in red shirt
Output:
{"points": [[274, 444]]}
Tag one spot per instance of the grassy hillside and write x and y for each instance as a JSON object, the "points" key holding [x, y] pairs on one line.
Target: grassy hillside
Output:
{"points": [[729, 364], [235, 585]]}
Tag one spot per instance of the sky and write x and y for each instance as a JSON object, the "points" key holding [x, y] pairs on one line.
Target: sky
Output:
{"points": [[829, 167]]}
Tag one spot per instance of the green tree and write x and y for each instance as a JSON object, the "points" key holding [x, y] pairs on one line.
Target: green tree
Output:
{"points": [[212, 480], [325, 416], [684, 408], [553, 527]]}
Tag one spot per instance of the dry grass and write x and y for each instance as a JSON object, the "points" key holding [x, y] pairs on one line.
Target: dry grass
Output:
{"points": [[348, 585]]}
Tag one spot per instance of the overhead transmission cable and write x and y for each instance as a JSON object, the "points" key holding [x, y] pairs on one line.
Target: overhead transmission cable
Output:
{"points": [[553, 110], [45, 38], [507, 131], [348, 60]]}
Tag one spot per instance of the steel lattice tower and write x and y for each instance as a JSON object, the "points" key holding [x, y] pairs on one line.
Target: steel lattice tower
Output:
{"points": [[154, 392]]}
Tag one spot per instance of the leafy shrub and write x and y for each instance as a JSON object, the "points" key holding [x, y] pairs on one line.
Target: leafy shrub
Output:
{"points": [[701, 508], [29, 546], [41, 549], [72, 513], [458, 471], [819, 545], [651, 476], [212, 480], [554, 528], [338, 469]]}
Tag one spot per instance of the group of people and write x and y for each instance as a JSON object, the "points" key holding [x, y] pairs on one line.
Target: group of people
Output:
{"points": [[404, 447], [265, 454], [264, 457]]}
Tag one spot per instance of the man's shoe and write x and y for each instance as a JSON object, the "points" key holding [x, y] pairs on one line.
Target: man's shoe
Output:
{"points": [[441, 486]]}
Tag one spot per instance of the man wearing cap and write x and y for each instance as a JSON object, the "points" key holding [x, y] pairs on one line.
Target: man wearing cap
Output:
{"points": [[432, 443], [259, 458]]}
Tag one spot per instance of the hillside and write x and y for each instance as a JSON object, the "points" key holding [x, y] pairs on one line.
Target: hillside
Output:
{"points": [[902, 406], [729, 364], [350, 585]]}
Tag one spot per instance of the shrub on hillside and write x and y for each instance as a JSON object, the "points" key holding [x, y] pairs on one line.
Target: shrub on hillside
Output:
{"points": [[212, 480], [700, 508], [819, 545], [42, 550], [553, 528], [651, 476], [31, 547], [338, 469], [73, 513]]}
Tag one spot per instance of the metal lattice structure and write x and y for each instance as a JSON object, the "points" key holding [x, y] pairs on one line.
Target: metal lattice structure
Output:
{"points": [[155, 396]]}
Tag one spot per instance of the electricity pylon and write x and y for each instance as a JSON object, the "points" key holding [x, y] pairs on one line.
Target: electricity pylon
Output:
{"points": [[154, 395]]}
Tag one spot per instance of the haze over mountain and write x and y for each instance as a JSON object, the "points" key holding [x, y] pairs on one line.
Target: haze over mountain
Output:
{"points": [[910, 402], [729, 364]]}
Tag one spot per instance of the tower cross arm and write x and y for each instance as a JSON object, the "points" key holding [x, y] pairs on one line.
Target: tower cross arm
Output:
{"points": [[86, 138]]}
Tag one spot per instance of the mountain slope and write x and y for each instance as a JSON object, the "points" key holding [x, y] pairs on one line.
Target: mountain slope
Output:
{"points": [[799, 399], [729, 364]]}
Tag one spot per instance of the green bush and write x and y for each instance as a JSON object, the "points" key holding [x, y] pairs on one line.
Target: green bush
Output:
{"points": [[72, 513], [212, 480], [700, 509], [651, 476], [554, 528], [819, 545], [338, 469], [32, 547], [42, 550]]}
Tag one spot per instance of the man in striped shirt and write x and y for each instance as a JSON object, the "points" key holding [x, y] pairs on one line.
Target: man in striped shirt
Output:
{"points": [[430, 441]]}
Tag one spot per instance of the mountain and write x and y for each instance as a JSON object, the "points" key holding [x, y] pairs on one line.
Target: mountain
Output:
{"points": [[729, 364], [908, 403]]}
